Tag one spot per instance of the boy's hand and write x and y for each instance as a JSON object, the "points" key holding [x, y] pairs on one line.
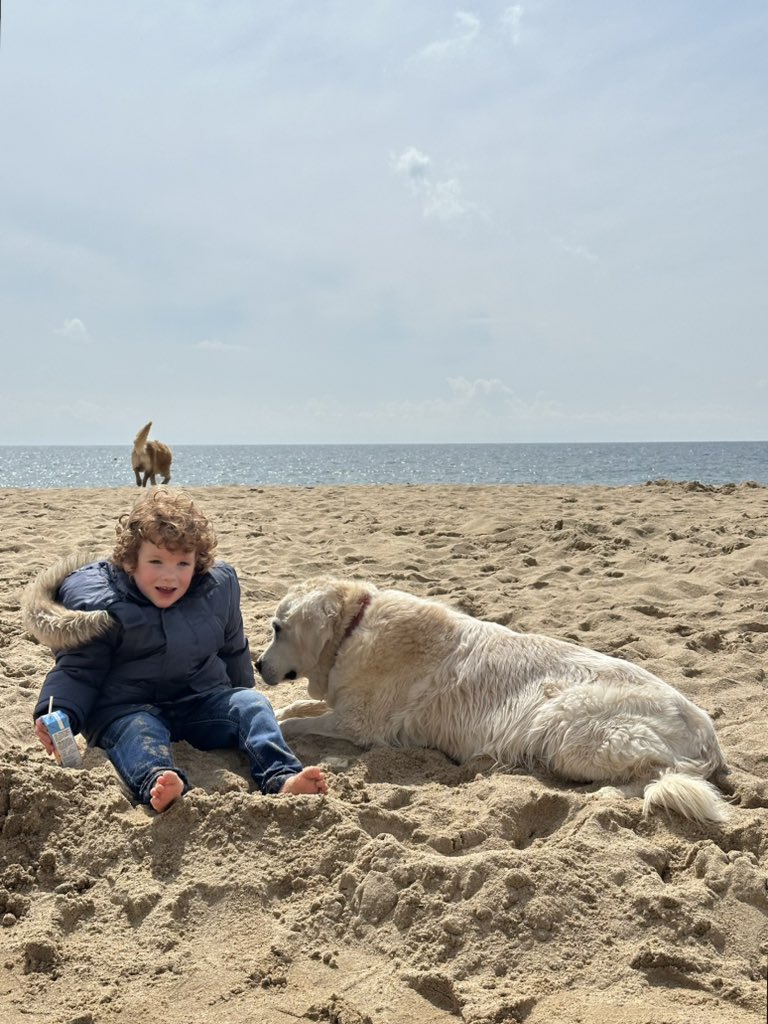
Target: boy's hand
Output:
{"points": [[42, 734]]}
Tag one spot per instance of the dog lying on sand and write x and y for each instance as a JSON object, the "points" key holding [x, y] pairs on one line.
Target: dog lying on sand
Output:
{"points": [[150, 459], [387, 668]]}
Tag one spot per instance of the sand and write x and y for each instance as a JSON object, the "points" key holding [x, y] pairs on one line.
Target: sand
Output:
{"points": [[417, 890]]}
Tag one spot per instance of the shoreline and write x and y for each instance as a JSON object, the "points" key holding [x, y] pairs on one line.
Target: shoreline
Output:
{"points": [[130, 487]]}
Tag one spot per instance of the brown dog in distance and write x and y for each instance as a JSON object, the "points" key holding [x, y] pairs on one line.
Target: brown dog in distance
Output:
{"points": [[150, 459]]}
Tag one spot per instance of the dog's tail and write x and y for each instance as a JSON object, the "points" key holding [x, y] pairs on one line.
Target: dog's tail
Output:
{"points": [[680, 790], [141, 438]]}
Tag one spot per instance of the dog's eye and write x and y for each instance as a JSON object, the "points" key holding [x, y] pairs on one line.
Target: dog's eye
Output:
{"points": [[276, 627]]}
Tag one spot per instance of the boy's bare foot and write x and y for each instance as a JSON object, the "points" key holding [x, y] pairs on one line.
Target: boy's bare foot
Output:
{"points": [[308, 780], [168, 788]]}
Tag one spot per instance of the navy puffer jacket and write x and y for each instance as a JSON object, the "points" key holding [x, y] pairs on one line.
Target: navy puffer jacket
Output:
{"points": [[145, 657]]}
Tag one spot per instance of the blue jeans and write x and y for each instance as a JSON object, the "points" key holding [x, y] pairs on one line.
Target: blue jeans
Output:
{"points": [[139, 744]]}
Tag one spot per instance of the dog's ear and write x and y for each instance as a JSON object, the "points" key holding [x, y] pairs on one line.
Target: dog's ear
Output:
{"points": [[321, 609]]}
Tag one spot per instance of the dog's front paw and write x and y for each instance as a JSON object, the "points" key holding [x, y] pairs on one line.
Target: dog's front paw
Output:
{"points": [[301, 709]]}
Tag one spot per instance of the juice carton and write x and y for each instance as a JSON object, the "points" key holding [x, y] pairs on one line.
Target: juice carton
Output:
{"points": [[65, 748]]}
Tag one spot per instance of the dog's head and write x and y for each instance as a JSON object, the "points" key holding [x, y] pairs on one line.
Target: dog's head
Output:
{"points": [[307, 629]]}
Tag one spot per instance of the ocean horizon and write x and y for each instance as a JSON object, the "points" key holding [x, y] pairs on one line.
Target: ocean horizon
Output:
{"points": [[582, 463]]}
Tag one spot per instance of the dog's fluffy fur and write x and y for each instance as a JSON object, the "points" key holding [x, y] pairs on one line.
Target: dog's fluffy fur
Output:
{"points": [[49, 621], [388, 668], [150, 459]]}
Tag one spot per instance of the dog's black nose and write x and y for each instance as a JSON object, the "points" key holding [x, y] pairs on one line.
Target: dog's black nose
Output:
{"points": [[290, 675], [258, 664]]}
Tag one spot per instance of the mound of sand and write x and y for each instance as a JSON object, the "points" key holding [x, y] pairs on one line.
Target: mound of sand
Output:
{"points": [[418, 890]]}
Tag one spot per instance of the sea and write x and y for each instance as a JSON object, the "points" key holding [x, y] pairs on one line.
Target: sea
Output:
{"points": [[613, 464]]}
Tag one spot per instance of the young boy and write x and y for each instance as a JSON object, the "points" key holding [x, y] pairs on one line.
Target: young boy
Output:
{"points": [[150, 649]]}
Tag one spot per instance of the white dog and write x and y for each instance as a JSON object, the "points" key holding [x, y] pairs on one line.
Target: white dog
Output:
{"points": [[388, 668]]}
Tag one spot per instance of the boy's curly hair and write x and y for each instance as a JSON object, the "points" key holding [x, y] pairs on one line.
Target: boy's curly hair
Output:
{"points": [[168, 519]]}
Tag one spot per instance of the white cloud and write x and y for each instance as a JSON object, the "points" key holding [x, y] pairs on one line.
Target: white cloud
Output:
{"points": [[440, 199], [479, 410], [444, 200], [413, 164], [471, 410], [479, 390], [73, 330], [580, 251], [467, 26], [511, 21]]}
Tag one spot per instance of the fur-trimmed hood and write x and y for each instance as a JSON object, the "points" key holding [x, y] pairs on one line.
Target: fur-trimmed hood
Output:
{"points": [[48, 620]]}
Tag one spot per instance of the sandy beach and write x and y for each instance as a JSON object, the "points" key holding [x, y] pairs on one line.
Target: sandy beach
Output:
{"points": [[417, 890]]}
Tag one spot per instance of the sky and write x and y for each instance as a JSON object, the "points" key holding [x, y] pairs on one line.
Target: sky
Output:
{"points": [[383, 221]]}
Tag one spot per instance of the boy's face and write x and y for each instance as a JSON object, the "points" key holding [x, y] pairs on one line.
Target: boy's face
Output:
{"points": [[161, 575]]}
